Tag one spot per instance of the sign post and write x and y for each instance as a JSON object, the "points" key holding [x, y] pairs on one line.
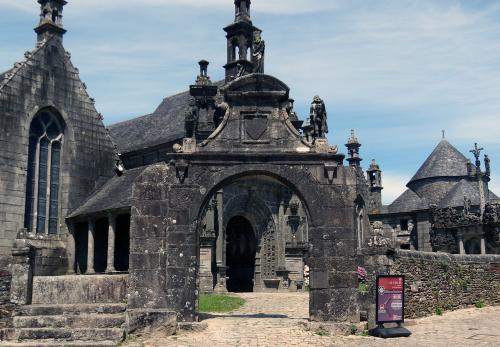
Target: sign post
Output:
{"points": [[390, 306]]}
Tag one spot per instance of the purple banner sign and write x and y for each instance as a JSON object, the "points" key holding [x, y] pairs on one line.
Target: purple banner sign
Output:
{"points": [[390, 299]]}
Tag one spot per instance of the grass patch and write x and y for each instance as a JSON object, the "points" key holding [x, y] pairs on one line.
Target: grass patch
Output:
{"points": [[322, 332], [479, 304], [438, 311], [220, 302]]}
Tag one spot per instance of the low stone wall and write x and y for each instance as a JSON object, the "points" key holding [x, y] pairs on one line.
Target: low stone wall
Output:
{"points": [[5, 280], [79, 289], [446, 281]]}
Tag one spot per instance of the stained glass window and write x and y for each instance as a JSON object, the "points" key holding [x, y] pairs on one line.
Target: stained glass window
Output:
{"points": [[43, 174]]}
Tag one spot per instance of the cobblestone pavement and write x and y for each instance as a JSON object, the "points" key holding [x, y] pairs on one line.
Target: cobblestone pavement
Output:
{"points": [[272, 319]]}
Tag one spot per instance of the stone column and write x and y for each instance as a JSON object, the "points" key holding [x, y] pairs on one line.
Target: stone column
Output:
{"points": [[483, 244], [220, 248], [21, 287], [90, 247], [71, 248], [111, 243], [461, 243]]}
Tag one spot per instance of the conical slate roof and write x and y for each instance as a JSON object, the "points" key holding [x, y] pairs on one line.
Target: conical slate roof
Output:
{"points": [[444, 161], [407, 202]]}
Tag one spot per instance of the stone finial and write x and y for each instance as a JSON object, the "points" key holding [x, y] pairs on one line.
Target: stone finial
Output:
{"points": [[353, 146], [353, 139], [242, 10], [374, 166], [203, 78], [51, 23]]}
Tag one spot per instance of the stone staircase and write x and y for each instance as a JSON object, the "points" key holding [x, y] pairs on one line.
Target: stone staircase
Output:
{"points": [[98, 322]]}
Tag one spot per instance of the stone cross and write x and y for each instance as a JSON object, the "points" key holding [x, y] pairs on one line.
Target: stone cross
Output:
{"points": [[477, 153]]}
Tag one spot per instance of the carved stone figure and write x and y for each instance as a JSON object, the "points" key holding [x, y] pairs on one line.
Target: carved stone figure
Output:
{"points": [[467, 205], [379, 237], [258, 52], [491, 215], [191, 119], [319, 118], [220, 112]]}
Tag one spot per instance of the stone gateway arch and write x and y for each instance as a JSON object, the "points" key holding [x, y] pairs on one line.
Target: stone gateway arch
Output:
{"points": [[255, 141]]}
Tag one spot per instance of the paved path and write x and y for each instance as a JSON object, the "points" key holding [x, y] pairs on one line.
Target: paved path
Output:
{"points": [[277, 320]]}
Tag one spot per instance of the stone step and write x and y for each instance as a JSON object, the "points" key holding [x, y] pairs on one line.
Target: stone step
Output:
{"points": [[101, 320], [79, 289], [7, 334], [55, 343], [101, 334], [73, 309]]}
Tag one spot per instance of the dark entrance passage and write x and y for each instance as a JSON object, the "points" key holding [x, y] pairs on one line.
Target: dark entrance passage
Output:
{"points": [[240, 255]]}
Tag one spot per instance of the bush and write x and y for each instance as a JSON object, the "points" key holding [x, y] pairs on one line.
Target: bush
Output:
{"points": [[439, 311], [479, 304], [354, 329]]}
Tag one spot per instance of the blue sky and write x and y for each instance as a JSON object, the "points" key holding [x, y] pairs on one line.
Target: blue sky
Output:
{"points": [[397, 71]]}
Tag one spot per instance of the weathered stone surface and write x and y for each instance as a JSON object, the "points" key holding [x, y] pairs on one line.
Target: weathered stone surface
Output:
{"points": [[79, 289], [140, 322], [437, 280]]}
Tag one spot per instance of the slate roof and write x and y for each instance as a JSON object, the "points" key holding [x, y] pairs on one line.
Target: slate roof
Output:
{"points": [[115, 194], [407, 202], [164, 125], [444, 161], [455, 196]]}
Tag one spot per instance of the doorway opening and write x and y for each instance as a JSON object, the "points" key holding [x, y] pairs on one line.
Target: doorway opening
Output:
{"points": [[241, 249]]}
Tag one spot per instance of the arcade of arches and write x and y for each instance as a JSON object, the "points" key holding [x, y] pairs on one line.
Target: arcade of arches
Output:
{"points": [[254, 236]]}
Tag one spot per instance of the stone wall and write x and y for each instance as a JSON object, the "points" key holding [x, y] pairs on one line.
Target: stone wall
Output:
{"points": [[78, 289], [46, 78], [446, 281], [5, 280]]}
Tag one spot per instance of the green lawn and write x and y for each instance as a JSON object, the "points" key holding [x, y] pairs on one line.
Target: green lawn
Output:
{"points": [[219, 302]]}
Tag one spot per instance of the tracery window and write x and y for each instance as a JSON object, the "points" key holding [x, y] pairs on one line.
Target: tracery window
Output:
{"points": [[43, 177]]}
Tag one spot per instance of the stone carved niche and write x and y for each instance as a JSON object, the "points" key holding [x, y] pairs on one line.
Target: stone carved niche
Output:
{"points": [[269, 256]]}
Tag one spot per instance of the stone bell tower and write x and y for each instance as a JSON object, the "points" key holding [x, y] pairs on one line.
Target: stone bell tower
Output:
{"points": [[245, 49], [375, 180], [50, 19]]}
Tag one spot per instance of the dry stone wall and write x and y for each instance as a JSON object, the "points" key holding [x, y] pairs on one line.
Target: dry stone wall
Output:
{"points": [[446, 281], [5, 306]]}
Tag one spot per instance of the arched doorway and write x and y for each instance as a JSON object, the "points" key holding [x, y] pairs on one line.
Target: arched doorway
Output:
{"points": [[241, 247]]}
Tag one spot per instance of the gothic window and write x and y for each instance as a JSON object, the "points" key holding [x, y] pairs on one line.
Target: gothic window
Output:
{"points": [[360, 229], [43, 177]]}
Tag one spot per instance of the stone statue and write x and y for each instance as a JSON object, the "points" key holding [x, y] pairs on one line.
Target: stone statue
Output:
{"points": [[258, 52], [487, 165], [318, 118], [467, 206]]}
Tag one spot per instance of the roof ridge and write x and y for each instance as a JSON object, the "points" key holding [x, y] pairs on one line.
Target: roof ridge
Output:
{"points": [[28, 55], [129, 120]]}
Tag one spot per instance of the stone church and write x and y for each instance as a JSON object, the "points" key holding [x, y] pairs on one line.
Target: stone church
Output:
{"points": [[221, 188], [447, 207]]}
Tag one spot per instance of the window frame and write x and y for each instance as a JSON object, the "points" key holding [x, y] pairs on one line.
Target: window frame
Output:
{"points": [[31, 217]]}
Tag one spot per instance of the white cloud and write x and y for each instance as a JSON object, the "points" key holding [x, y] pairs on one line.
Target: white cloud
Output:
{"points": [[394, 185], [266, 6]]}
